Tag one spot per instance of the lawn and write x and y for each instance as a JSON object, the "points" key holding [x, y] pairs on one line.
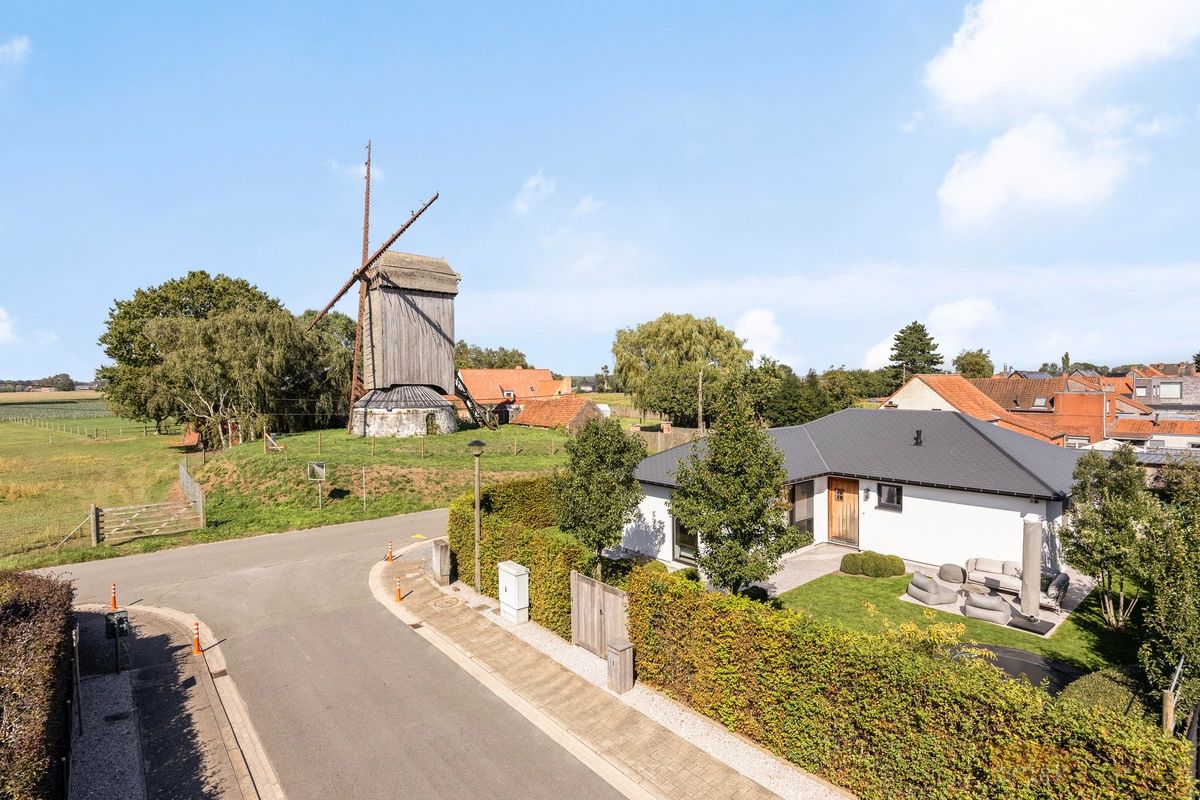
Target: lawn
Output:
{"points": [[1081, 640], [252, 491]]}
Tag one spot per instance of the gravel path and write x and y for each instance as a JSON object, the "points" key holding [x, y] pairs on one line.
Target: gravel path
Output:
{"points": [[106, 761]]}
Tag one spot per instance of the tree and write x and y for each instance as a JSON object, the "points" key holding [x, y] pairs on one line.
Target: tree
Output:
{"points": [[469, 356], [840, 390], [1171, 570], [1066, 363], [233, 374], [1196, 360], [913, 352], [597, 493], [671, 341], [1050, 368], [604, 372], [730, 495], [1111, 512], [974, 364], [133, 390]]}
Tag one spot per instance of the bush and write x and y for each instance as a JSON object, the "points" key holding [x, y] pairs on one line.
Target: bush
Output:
{"points": [[657, 566], [887, 715], [517, 515], [872, 564], [35, 683], [690, 573], [1115, 689]]}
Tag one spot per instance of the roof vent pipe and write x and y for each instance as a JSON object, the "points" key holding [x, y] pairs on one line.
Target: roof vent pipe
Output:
{"points": [[917, 438]]}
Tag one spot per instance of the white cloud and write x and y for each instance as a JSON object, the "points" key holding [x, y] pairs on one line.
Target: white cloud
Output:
{"points": [[763, 334], [587, 205], [16, 50], [1032, 167], [8, 333], [958, 324], [1025, 56], [536, 188]]}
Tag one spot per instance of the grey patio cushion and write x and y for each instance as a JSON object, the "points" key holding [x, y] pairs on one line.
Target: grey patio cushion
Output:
{"points": [[1012, 568], [952, 573], [988, 607], [924, 588]]}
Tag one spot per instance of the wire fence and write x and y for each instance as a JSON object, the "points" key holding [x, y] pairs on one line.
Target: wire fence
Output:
{"points": [[95, 428], [56, 530]]}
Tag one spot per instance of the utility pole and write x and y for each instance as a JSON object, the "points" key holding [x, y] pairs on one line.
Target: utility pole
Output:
{"points": [[700, 401]]}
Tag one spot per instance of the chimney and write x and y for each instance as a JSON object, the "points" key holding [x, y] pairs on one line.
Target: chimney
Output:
{"points": [[917, 438]]}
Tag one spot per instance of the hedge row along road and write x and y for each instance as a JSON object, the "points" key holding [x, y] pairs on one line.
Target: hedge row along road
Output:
{"points": [[346, 702]]}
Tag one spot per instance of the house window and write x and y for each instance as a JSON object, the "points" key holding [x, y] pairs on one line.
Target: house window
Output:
{"points": [[686, 544], [1139, 391], [1039, 402], [891, 496], [1170, 391], [1077, 441], [802, 506], [510, 395]]}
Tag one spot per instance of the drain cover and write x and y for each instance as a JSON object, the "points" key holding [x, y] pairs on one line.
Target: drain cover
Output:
{"points": [[445, 602], [117, 717]]}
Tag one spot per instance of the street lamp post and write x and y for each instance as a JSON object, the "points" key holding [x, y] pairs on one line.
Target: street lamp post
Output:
{"points": [[476, 448]]}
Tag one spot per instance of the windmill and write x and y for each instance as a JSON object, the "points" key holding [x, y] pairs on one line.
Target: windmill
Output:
{"points": [[403, 363]]}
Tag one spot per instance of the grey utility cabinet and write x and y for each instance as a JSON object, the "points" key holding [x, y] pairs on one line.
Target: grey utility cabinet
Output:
{"points": [[514, 591]]}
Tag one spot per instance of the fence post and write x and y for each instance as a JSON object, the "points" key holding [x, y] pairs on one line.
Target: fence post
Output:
{"points": [[1168, 711], [95, 526]]}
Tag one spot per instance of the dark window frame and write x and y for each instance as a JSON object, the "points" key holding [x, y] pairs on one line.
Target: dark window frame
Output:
{"points": [[883, 504], [808, 523], [679, 531]]}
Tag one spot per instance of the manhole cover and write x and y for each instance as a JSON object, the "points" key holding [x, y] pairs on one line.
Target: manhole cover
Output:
{"points": [[445, 602]]}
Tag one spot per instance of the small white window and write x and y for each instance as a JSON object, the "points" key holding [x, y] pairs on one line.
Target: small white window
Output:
{"points": [[1170, 391], [510, 395], [1039, 402], [1139, 391], [1077, 441], [891, 496]]}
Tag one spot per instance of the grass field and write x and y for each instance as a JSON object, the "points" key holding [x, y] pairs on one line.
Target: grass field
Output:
{"points": [[252, 491], [50, 476], [83, 395], [1081, 640]]}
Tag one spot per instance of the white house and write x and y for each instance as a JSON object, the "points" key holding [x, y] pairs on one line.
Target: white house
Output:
{"points": [[929, 486]]}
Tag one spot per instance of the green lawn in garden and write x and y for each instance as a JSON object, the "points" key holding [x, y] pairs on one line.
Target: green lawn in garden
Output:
{"points": [[1081, 640]]}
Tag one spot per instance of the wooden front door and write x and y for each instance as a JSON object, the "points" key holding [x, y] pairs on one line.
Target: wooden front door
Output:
{"points": [[843, 511]]}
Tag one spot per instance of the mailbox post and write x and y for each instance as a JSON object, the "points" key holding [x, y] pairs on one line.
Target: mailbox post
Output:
{"points": [[116, 625]]}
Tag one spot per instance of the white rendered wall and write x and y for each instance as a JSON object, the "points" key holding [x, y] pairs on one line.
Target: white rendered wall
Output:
{"points": [[936, 526], [916, 394], [651, 530]]}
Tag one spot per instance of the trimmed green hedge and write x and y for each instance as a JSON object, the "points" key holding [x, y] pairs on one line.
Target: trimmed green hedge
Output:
{"points": [[35, 683], [516, 525], [889, 715], [1116, 689], [872, 564]]}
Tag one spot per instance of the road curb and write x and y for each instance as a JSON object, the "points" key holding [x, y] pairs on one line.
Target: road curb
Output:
{"points": [[255, 774], [607, 771]]}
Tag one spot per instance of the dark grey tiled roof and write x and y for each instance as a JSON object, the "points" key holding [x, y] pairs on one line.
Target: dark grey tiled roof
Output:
{"points": [[402, 397], [957, 452]]}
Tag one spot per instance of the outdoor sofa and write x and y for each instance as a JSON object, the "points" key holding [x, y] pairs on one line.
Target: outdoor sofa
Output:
{"points": [[989, 607], [1004, 576]]}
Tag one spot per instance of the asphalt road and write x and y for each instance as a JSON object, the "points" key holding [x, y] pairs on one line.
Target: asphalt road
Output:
{"points": [[348, 701]]}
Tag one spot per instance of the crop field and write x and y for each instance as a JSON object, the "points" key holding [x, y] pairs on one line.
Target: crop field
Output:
{"points": [[76, 406], [50, 475]]}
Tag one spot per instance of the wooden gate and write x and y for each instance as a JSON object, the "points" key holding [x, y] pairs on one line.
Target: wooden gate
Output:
{"points": [[151, 519], [597, 614]]}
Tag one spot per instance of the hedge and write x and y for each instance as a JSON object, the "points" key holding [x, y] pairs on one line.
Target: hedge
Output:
{"points": [[516, 521], [872, 564], [35, 683], [887, 715], [1120, 690]]}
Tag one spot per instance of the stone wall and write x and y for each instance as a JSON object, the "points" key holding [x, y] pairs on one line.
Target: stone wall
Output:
{"points": [[404, 422]]}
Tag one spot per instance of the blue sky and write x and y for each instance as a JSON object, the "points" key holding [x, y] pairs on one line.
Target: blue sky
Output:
{"points": [[1022, 177]]}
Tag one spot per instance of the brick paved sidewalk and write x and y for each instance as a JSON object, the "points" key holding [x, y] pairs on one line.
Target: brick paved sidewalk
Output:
{"points": [[655, 758]]}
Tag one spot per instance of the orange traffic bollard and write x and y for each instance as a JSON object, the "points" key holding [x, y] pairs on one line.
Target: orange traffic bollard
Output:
{"points": [[112, 599], [398, 595], [389, 557], [196, 639]]}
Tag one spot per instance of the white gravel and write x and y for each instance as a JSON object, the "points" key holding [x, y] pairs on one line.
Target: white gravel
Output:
{"points": [[106, 761], [738, 752]]}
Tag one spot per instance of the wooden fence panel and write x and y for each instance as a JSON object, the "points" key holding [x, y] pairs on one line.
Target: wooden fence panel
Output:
{"points": [[598, 614]]}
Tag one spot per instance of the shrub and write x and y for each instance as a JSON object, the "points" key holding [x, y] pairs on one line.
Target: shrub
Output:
{"points": [[887, 715], [657, 566], [1116, 689], [852, 564], [519, 529], [35, 683], [690, 573], [877, 565]]}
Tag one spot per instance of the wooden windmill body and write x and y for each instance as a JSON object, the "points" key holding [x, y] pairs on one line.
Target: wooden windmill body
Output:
{"points": [[403, 367]]}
